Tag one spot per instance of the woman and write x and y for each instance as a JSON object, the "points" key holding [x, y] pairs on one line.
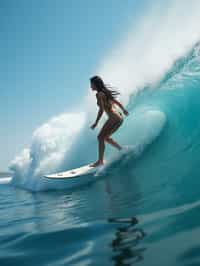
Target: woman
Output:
{"points": [[106, 100]]}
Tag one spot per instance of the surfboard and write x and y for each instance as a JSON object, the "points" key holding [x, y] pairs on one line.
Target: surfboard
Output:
{"points": [[88, 170], [74, 173]]}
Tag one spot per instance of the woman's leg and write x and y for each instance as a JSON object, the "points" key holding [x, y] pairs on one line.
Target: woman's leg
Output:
{"points": [[112, 142], [109, 128], [101, 140], [101, 149]]}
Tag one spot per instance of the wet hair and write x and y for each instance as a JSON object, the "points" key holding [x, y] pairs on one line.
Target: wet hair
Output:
{"points": [[101, 86]]}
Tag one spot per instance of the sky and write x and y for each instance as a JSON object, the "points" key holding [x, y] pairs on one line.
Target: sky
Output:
{"points": [[49, 50]]}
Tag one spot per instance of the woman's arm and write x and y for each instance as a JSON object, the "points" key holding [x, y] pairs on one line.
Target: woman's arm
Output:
{"points": [[121, 106]]}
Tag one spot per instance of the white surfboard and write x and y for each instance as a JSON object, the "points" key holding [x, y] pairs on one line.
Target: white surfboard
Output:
{"points": [[88, 170], [74, 173]]}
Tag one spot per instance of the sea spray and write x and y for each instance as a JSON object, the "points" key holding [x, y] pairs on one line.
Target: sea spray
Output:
{"points": [[50, 144]]}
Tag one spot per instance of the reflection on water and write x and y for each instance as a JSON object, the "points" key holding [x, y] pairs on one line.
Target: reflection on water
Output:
{"points": [[126, 243]]}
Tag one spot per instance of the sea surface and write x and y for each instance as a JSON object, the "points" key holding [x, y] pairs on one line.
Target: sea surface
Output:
{"points": [[144, 209]]}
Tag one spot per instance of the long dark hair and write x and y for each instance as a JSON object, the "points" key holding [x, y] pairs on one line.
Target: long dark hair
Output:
{"points": [[101, 86]]}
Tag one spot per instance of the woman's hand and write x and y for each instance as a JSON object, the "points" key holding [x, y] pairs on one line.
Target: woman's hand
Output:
{"points": [[93, 126], [125, 112]]}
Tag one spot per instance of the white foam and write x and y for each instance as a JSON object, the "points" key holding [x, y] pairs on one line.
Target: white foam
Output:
{"points": [[5, 180], [165, 31], [51, 143]]}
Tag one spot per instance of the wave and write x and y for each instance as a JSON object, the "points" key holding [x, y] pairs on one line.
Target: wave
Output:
{"points": [[162, 92], [31, 176]]}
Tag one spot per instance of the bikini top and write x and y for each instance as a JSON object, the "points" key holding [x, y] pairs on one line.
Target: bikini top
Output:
{"points": [[107, 103]]}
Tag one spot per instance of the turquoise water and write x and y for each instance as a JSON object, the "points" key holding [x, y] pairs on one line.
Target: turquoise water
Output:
{"points": [[143, 210]]}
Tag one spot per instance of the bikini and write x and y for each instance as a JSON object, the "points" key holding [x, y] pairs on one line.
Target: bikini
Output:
{"points": [[117, 117]]}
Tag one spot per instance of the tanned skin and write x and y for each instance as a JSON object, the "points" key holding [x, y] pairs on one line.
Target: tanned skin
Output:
{"points": [[111, 125]]}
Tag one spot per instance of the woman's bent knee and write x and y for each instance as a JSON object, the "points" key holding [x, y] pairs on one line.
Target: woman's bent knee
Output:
{"points": [[101, 137], [107, 139]]}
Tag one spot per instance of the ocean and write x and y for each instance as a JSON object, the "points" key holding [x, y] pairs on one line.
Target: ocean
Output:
{"points": [[143, 209]]}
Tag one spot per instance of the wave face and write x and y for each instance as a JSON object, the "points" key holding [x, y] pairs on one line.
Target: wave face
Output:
{"points": [[163, 127], [177, 95]]}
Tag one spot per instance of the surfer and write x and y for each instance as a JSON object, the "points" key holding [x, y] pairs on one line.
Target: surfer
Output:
{"points": [[106, 100]]}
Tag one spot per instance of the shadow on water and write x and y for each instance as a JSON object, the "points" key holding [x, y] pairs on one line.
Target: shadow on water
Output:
{"points": [[126, 242], [191, 257]]}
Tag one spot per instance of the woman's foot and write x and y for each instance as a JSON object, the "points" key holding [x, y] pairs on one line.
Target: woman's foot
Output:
{"points": [[98, 163]]}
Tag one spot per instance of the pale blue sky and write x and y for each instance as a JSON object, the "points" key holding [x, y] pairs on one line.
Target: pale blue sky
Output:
{"points": [[49, 50]]}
